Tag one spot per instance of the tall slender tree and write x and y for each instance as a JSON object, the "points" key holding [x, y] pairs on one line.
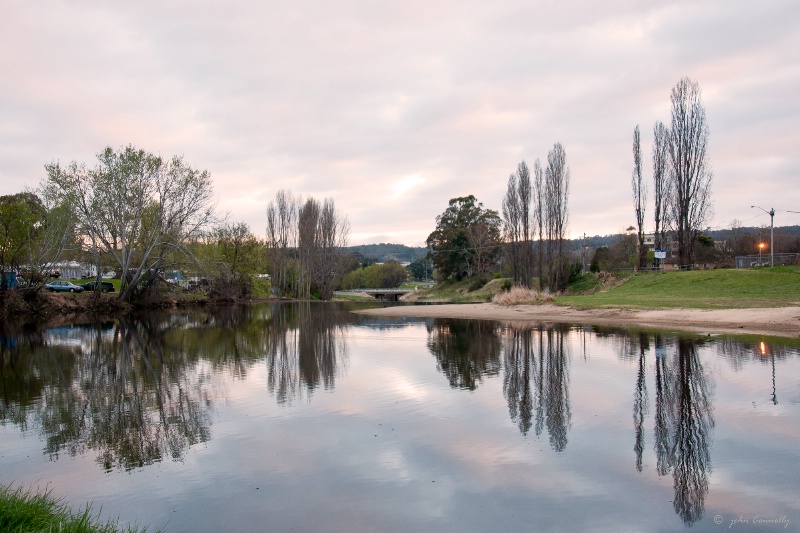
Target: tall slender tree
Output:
{"points": [[524, 195], [282, 239], [661, 183], [539, 205], [511, 218], [518, 217], [691, 176], [639, 188], [557, 176]]}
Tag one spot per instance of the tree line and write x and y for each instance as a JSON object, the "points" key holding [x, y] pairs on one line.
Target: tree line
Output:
{"points": [[528, 241]]}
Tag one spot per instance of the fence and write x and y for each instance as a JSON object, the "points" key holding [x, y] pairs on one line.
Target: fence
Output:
{"points": [[748, 261]]}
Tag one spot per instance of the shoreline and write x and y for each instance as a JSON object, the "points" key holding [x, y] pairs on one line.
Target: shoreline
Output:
{"points": [[772, 321]]}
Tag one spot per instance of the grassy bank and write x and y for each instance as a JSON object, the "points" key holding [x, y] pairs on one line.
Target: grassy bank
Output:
{"points": [[699, 289], [26, 511], [459, 292]]}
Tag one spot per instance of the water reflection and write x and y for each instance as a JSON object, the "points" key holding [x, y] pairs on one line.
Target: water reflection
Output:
{"points": [[134, 392], [466, 351], [536, 381], [640, 402], [305, 348], [137, 391], [683, 425]]}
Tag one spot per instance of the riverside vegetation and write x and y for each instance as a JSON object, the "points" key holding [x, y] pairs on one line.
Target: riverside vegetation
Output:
{"points": [[24, 511]]}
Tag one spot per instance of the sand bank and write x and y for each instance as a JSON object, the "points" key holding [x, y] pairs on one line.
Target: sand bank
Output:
{"points": [[777, 321]]}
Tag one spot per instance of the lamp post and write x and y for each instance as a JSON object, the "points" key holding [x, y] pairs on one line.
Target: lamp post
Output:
{"points": [[771, 214]]}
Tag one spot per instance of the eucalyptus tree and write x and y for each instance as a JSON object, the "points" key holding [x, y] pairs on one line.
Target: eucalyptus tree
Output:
{"points": [[690, 205], [639, 189], [136, 208], [467, 238]]}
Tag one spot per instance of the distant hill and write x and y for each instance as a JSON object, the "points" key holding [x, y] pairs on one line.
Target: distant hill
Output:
{"points": [[384, 252]]}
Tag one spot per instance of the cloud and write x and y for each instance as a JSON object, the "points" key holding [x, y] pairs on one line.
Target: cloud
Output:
{"points": [[352, 100]]}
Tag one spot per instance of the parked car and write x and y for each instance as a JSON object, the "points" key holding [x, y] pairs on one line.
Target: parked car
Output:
{"points": [[105, 286], [63, 286]]}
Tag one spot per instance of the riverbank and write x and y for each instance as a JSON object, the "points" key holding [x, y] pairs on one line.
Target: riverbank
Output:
{"points": [[773, 321]]}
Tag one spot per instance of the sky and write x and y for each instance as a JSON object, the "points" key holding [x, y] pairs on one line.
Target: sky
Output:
{"points": [[392, 108]]}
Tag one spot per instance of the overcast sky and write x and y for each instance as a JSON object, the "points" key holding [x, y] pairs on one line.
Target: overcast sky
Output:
{"points": [[391, 108]]}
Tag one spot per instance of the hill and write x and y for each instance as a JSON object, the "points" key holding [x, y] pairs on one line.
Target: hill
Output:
{"points": [[384, 252]]}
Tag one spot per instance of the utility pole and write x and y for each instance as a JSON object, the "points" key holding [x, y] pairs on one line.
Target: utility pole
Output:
{"points": [[771, 214]]}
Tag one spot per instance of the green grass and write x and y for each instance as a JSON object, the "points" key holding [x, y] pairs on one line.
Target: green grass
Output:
{"points": [[701, 289], [353, 298], [27, 511]]}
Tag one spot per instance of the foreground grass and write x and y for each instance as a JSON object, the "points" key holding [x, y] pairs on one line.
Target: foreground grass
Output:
{"points": [[26, 511], [699, 289]]}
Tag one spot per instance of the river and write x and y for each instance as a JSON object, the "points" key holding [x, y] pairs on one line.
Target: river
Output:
{"points": [[307, 417]]}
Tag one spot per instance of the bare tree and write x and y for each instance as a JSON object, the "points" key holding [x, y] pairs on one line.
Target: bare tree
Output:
{"points": [[511, 217], [524, 195], [539, 204], [639, 188], [282, 237], [307, 221], [517, 215], [332, 231], [556, 194], [661, 183], [691, 177]]}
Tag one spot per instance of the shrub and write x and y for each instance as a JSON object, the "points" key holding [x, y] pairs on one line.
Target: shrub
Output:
{"points": [[477, 283], [521, 296]]}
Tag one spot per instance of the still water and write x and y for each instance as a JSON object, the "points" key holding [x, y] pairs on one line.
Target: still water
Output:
{"points": [[308, 417]]}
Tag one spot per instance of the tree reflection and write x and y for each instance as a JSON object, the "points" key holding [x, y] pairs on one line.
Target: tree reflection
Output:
{"points": [[135, 391], [536, 381], [305, 349], [683, 428], [465, 350], [640, 402]]}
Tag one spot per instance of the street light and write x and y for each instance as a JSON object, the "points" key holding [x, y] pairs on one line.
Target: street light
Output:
{"points": [[760, 249], [771, 214]]}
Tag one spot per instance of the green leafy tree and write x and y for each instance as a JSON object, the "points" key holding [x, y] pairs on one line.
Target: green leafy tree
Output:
{"points": [[421, 269], [136, 208], [379, 276], [22, 218], [467, 239]]}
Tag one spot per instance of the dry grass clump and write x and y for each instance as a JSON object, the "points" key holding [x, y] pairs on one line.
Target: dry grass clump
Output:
{"points": [[521, 296]]}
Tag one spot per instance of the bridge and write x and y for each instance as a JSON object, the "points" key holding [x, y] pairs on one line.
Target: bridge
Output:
{"points": [[387, 295]]}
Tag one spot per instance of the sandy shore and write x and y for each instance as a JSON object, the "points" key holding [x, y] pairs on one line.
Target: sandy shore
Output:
{"points": [[778, 321]]}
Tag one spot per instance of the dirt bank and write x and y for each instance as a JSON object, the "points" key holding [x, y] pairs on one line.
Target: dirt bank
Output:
{"points": [[778, 321]]}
